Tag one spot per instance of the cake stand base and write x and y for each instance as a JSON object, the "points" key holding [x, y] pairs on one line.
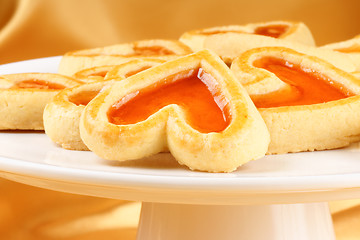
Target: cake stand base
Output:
{"points": [[161, 221]]}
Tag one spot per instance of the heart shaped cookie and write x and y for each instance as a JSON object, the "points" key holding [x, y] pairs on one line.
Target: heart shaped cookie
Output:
{"points": [[229, 45], [23, 97], [192, 106], [75, 61], [307, 103], [291, 31]]}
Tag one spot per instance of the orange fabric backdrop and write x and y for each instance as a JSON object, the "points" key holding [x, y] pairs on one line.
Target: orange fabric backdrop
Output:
{"points": [[40, 28]]}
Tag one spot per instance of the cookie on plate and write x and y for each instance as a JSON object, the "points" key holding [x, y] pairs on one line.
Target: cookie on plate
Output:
{"points": [[291, 31], [307, 103], [23, 97], [230, 44], [192, 106]]}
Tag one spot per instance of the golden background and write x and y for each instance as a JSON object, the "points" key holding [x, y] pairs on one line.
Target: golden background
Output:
{"points": [[40, 28]]}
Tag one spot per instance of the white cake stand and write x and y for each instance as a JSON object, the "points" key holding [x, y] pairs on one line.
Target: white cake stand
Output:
{"points": [[274, 198]]}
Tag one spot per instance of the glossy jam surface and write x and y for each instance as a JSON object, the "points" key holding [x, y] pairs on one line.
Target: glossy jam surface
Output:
{"points": [[83, 97], [99, 74], [306, 87], [39, 84], [355, 48], [194, 91], [274, 31], [151, 51]]}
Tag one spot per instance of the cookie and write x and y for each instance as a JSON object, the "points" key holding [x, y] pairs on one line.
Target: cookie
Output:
{"points": [[307, 103], [23, 98], [192, 107]]}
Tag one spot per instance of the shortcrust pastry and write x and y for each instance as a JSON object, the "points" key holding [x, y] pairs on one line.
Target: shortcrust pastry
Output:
{"points": [[192, 106], [62, 114], [75, 61], [23, 97], [307, 103], [230, 44], [350, 47]]}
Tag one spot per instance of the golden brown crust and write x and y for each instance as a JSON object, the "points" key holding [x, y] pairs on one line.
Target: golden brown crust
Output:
{"points": [[305, 127], [246, 137], [22, 108], [116, 54]]}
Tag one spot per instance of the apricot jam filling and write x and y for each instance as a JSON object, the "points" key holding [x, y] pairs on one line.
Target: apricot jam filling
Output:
{"points": [[39, 84], [274, 31], [98, 74], [194, 91], [305, 86], [221, 31], [355, 48], [83, 97], [151, 51]]}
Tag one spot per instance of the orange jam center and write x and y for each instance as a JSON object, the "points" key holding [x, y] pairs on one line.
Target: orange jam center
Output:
{"points": [[274, 31], [306, 86], [151, 51], [83, 97], [194, 91], [40, 84], [99, 74], [355, 48], [221, 31]]}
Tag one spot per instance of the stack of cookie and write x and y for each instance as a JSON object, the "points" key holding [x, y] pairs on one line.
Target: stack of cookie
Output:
{"points": [[215, 99]]}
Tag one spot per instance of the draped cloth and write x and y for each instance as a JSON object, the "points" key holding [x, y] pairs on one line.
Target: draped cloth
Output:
{"points": [[41, 28]]}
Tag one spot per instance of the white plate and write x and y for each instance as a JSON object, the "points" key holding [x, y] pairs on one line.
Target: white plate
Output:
{"points": [[31, 158]]}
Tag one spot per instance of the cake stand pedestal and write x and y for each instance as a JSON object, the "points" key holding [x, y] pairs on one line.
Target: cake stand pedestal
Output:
{"points": [[310, 221]]}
